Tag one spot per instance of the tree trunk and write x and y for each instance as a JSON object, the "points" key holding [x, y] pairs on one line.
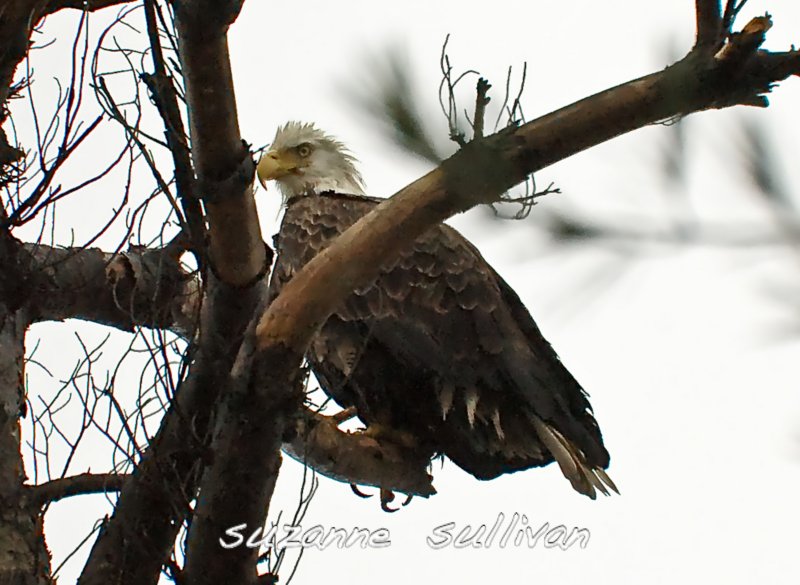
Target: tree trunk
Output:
{"points": [[24, 558]]}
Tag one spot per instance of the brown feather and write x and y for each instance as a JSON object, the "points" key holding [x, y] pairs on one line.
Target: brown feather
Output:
{"points": [[436, 327]]}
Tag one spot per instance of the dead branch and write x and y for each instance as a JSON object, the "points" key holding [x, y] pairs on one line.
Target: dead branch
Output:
{"points": [[165, 97], [482, 100], [448, 87], [139, 287], [20, 18], [732, 9], [75, 485]]}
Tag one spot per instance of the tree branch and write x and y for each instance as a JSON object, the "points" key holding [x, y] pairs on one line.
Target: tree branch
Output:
{"points": [[709, 23], [356, 458], [222, 161], [482, 100], [237, 487], [140, 287], [75, 485], [90, 5], [479, 173], [18, 19], [162, 89]]}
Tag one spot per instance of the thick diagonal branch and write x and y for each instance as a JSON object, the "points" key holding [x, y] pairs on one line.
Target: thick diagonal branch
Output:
{"points": [[483, 170]]}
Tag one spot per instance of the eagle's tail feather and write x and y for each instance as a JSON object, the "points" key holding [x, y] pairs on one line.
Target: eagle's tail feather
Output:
{"points": [[583, 477]]}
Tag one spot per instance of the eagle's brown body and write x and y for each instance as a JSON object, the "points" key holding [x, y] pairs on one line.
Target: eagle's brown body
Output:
{"points": [[440, 346]]}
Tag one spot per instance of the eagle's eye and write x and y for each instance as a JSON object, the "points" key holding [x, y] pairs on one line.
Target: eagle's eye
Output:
{"points": [[304, 149]]}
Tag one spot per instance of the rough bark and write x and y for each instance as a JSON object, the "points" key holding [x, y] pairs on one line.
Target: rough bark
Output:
{"points": [[138, 288], [24, 558], [238, 489]]}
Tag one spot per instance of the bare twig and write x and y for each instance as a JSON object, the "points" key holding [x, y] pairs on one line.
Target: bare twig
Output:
{"points": [[165, 97], [732, 9], [482, 99], [448, 87]]}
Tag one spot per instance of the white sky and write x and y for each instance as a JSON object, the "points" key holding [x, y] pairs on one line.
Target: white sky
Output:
{"points": [[693, 388]]}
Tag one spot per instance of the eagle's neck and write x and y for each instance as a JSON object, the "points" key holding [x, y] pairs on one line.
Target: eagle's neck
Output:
{"points": [[300, 186], [331, 195]]}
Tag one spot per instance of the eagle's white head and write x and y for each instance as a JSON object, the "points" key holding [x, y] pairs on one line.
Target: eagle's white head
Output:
{"points": [[303, 160]]}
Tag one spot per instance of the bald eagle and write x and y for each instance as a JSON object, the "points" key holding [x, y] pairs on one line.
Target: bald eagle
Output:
{"points": [[438, 346]]}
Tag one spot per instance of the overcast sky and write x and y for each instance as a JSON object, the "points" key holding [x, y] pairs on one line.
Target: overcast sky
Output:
{"points": [[683, 349]]}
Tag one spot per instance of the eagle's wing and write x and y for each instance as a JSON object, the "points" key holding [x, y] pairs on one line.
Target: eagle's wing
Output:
{"points": [[446, 346]]}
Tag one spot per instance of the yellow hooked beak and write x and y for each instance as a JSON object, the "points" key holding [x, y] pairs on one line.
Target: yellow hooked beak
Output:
{"points": [[274, 165]]}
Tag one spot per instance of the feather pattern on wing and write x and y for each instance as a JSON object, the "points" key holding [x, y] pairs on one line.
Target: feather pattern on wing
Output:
{"points": [[440, 346]]}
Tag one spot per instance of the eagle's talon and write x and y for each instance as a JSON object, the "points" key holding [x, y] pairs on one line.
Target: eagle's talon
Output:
{"points": [[387, 497], [358, 492], [409, 497]]}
